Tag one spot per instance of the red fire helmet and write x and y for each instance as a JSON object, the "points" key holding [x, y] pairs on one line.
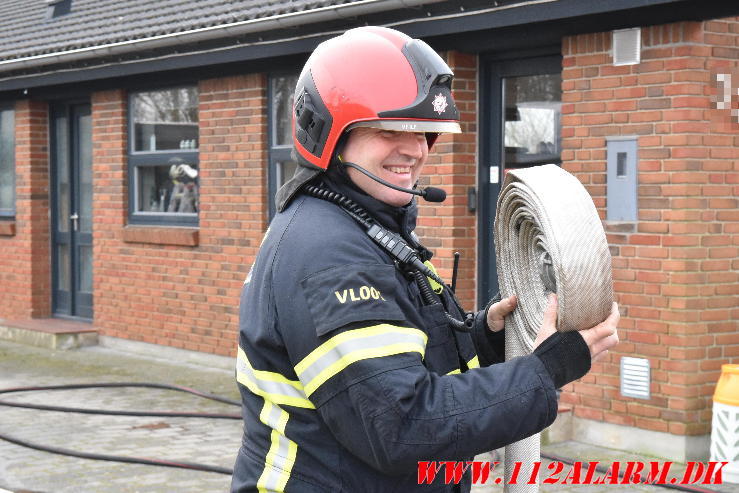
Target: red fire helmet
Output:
{"points": [[373, 77]]}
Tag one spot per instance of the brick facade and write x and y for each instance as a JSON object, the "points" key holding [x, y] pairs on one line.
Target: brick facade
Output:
{"points": [[25, 277], [180, 286], [675, 269], [452, 165]]}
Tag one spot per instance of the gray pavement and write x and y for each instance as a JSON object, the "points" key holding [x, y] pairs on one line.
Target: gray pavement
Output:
{"points": [[209, 441]]}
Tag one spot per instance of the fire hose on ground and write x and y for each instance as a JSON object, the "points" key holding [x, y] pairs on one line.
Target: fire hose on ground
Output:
{"points": [[176, 463], [118, 458]]}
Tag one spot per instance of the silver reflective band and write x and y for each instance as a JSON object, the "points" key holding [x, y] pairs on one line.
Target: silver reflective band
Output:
{"points": [[420, 126], [271, 386], [280, 458], [334, 355]]}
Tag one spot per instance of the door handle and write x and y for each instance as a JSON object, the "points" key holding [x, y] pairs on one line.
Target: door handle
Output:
{"points": [[74, 217]]}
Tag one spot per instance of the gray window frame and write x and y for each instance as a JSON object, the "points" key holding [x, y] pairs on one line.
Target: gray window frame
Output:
{"points": [[9, 214], [276, 153], [141, 159]]}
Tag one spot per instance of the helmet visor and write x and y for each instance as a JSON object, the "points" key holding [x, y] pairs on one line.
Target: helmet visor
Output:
{"points": [[419, 126]]}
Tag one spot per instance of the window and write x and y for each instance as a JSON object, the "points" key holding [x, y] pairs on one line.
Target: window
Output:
{"points": [[281, 164], [57, 8], [163, 157], [7, 163], [533, 107]]}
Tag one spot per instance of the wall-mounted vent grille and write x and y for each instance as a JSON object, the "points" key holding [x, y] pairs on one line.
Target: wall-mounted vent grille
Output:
{"points": [[635, 377], [627, 46]]}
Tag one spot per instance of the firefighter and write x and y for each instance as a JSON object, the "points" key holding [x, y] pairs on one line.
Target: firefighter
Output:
{"points": [[355, 360]]}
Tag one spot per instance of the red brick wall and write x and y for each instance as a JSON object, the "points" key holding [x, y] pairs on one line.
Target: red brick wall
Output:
{"points": [[675, 269], [449, 226], [114, 276], [180, 286], [25, 273]]}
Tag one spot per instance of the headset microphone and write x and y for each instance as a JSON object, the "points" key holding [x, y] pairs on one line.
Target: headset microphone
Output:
{"points": [[433, 194], [430, 194]]}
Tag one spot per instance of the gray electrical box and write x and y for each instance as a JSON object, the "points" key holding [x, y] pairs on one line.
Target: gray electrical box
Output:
{"points": [[622, 178]]}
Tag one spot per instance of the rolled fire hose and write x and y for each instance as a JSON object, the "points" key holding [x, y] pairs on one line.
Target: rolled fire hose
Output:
{"points": [[548, 238]]}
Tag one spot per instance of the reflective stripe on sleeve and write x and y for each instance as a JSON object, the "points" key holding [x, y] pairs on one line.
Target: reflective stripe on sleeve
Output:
{"points": [[280, 458], [334, 355], [270, 385]]}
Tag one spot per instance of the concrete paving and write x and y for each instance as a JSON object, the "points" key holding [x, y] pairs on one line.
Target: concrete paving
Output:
{"points": [[209, 441]]}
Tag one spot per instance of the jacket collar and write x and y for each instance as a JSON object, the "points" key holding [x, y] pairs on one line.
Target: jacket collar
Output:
{"points": [[397, 219]]}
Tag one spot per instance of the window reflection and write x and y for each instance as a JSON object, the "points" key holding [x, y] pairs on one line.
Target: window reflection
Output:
{"points": [[7, 162], [282, 104], [164, 156], [169, 188], [281, 163], [165, 120], [532, 120]]}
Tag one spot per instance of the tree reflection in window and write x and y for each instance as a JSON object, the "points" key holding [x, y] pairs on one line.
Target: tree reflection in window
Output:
{"points": [[532, 119]]}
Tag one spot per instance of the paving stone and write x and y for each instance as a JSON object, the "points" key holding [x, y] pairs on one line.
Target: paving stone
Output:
{"points": [[210, 441]]}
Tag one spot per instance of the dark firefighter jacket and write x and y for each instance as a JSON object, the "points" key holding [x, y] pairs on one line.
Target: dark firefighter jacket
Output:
{"points": [[348, 380]]}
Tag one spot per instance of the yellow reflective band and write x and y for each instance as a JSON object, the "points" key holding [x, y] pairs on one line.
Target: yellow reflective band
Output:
{"points": [[270, 385], [280, 458], [438, 288], [334, 355], [355, 356], [473, 363]]}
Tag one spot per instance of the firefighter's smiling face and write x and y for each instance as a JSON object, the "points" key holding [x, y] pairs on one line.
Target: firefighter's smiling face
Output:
{"points": [[397, 157]]}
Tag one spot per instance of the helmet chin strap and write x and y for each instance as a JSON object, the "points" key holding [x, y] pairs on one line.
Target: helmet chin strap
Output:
{"points": [[430, 194]]}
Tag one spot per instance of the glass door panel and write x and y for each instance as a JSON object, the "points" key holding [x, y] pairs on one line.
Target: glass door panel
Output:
{"points": [[71, 160], [82, 155], [521, 103], [531, 127]]}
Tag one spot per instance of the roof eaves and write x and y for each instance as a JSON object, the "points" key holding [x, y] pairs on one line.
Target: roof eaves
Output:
{"points": [[280, 21]]}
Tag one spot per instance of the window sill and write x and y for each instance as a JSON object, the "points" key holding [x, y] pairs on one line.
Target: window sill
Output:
{"points": [[158, 235], [7, 228]]}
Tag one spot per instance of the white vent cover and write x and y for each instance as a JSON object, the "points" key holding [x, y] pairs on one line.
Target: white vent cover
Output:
{"points": [[635, 377], [627, 46]]}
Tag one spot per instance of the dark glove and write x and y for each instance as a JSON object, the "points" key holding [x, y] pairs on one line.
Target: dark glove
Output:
{"points": [[490, 346], [565, 356]]}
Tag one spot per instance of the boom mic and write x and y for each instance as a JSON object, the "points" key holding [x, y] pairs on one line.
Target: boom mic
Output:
{"points": [[433, 194], [430, 194]]}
